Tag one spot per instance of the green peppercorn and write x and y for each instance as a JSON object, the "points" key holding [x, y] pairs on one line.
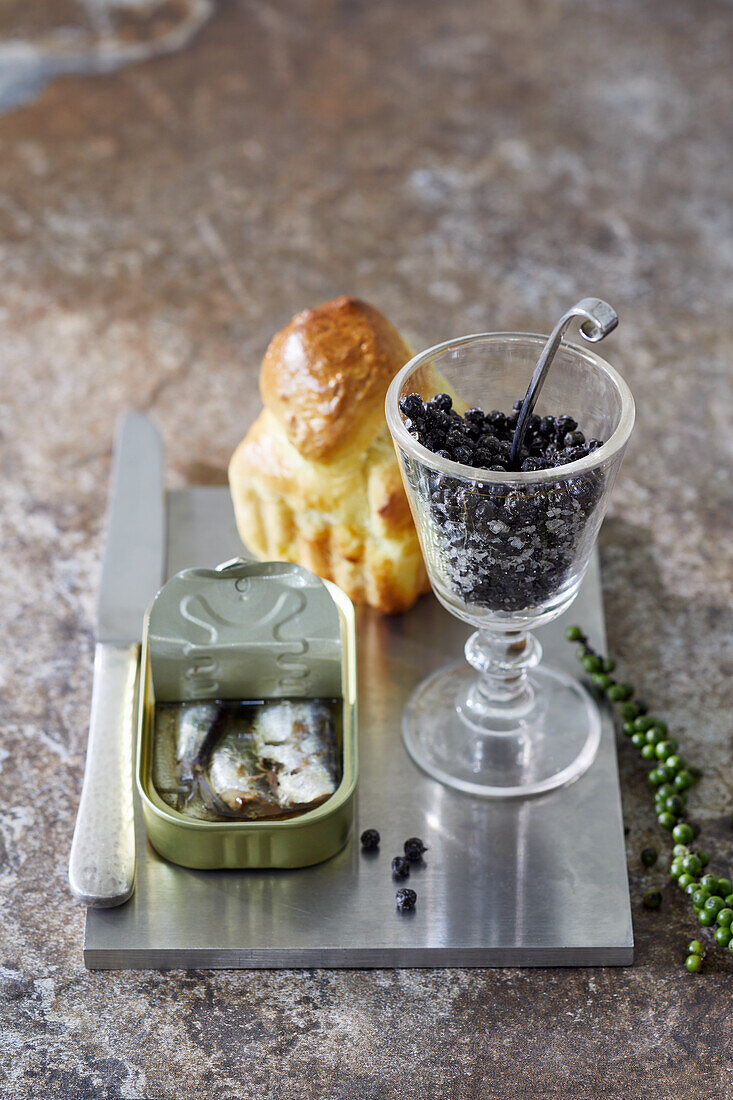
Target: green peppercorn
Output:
{"points": [[574, 634], [667, 821], [638, 740], [649, 857], [725, 887], [714, 905], [695, 947], [601, 680], [608, 664], [652, 899], [676, 868], [703, 857], [666, 790], [694, 963], [730, 947], [675, 763], [700, 897], [592, 664], [725, 917], [674, 804], [686, 880], [665, 772], [691, 863], [710, 883], [729, 901], [666, 748], [643, 722], [690, 890], [683, 780], [629, 711], [661, 726], [723, 936], [706, 918], [655, 778], [682, 833], [616, 693], [653, 735], [680, 850], [628, 729], [648, 753], [581, 652]]}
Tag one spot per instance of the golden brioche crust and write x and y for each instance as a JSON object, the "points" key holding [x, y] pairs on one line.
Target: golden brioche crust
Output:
{"points": [[316, 479], [325, 375]]}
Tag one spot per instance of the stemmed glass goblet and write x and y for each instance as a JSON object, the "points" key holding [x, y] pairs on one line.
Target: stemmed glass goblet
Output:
{"points": [[506, 552]]}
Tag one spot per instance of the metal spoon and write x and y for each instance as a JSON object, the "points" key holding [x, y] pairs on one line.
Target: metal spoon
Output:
{"points": [[599, 320]]}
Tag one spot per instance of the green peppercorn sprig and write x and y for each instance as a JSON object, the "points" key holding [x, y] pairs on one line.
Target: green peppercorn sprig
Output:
{"points": [[711, 895]]}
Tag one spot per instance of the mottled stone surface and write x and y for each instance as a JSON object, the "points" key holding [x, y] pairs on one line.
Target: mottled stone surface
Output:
{"points": [[464, 166]]}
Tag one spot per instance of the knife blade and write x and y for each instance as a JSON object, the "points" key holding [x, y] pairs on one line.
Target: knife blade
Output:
{"points": [[102, 860]]}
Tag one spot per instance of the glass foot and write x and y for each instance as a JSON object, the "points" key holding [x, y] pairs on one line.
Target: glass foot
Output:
{"points": [[547, 743]]}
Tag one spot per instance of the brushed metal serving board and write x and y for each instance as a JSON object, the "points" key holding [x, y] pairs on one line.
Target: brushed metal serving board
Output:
{"points": [[535, 883]]}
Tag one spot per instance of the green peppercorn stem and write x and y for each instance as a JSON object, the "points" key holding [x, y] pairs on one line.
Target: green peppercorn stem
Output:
{"points": [[671, 778]]}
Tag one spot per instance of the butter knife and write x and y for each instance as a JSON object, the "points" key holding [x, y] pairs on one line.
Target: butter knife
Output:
{"points": [[102, 861]]}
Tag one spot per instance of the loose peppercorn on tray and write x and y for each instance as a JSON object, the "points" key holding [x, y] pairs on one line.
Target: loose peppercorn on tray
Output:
{"points": [[540, 882]]}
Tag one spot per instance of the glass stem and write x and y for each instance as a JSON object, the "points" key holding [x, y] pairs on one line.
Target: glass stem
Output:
{"points": [[502, 661]]}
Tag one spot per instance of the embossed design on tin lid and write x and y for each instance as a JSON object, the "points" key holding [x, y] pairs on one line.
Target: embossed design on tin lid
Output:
{"points": [[245, 630]]}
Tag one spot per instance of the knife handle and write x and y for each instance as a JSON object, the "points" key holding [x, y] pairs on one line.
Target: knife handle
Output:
{"points": [[102, 861]]}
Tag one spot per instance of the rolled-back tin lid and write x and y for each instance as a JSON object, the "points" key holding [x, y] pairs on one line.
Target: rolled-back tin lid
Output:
{"points": [[245, 630]]}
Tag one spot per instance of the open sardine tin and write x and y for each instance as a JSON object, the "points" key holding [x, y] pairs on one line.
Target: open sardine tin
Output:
{"points": [[243, 631]]}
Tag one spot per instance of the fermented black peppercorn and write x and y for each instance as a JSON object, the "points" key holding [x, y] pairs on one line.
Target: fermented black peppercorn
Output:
{"points": [[400, 867], [406, 900], [370, 840], [411, 405], [414, 849]]}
